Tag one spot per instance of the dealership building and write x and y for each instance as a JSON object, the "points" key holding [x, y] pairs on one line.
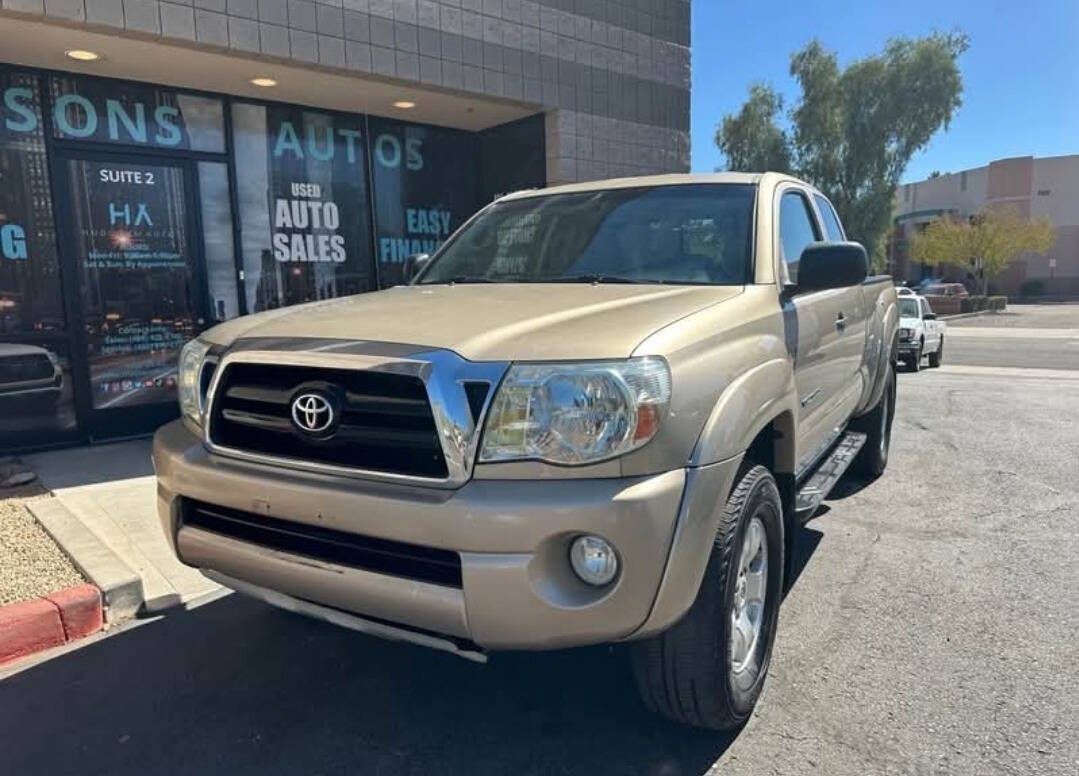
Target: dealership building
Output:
{"points": [[1033, 187], [168, 165]]}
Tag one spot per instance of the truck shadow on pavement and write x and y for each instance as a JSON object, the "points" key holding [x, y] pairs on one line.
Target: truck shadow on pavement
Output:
{"points": [[237, 687]]}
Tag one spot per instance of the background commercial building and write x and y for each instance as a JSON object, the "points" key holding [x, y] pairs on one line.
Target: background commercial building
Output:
{"points": [[1046, 187], [156, 189]]}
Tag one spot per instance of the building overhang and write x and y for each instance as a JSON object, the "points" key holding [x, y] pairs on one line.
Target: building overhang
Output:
{"points": [[39, 44], [920, 216]]}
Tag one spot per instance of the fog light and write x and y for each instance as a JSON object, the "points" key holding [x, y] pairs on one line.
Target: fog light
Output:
{"points": [[593, 560]]}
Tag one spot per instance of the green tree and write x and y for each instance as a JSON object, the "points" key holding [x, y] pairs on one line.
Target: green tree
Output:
{"points": [[750, 139], [986, 243], [854, 130]]}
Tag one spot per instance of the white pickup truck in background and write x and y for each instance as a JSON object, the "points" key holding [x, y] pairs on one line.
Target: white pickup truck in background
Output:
{"points": [[920, 333]]}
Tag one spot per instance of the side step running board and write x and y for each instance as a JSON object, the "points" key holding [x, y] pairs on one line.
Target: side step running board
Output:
{"points": [[819, 484]]}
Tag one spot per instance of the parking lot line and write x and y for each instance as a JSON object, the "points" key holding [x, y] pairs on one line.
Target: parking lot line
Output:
{"points": [[1011, 333], [1009, 372]]}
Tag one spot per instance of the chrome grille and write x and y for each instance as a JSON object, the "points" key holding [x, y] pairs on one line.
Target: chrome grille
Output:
{"points": [[385, 420]]}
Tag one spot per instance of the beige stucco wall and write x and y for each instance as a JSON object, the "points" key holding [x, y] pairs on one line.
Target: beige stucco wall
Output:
{"points": [[1036, 187]]}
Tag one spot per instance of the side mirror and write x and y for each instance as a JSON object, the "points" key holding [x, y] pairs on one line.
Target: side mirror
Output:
{"points": [[929, 317], [415, 264], [832, 265]]}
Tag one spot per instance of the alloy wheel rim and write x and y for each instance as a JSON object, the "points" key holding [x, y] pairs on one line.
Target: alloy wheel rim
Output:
{"points": [[750, 592]]}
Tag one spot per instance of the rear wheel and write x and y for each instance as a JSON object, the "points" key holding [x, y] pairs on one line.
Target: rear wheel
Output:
{"points": [[708, 669], [937, 356], [877, 426]]}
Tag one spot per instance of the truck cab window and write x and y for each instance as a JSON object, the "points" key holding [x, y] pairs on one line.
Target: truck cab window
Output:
{"points": [[829, 219], [796, 230]]}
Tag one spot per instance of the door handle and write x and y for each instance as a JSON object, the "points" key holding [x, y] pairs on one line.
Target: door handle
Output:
{"points": [[841, 322]]}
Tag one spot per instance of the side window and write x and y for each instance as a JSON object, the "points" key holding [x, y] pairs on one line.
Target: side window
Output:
{"points": [[797, 229], [926, 308], [830, 219]]}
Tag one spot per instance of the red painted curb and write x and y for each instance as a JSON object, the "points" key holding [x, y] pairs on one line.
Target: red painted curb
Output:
{"points": [[80, 610], [31, 626]]}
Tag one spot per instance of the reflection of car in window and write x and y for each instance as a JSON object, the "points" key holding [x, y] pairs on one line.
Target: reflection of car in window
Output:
{"points": [[29, 374]]}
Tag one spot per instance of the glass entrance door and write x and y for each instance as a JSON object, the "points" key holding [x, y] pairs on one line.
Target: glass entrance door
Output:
{"points": [[131, 247]]}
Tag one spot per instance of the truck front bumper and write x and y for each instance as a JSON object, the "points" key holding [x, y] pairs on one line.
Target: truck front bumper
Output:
{"points": [[517, 589]]}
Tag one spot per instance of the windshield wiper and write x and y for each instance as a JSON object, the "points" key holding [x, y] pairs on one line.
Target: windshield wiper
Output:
{"points": [[595, 277], [464, 279], [583, 278]]}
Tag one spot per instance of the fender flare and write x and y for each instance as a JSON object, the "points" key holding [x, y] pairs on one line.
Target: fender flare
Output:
{"points": [[746, 406], [889, 357], [749, 403]]}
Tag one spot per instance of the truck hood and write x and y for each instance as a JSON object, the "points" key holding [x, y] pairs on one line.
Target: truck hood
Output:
{"points": [[910, 323], [496, 322]]}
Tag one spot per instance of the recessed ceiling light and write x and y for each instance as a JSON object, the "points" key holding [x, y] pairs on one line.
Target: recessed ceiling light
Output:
{"points": [[82, 55], [404, 104], [263, 81]]}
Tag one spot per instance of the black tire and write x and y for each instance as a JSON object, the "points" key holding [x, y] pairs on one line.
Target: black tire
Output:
{"points": [[877, 426], [686, 673], [915, 362], [937, 356]]}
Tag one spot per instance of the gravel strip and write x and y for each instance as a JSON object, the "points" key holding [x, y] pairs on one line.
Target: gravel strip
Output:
{"points": [[31, 564]]}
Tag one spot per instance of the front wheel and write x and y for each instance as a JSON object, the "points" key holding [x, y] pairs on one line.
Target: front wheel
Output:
{"points": [[916, 359], [937, 357], [708, 669]]}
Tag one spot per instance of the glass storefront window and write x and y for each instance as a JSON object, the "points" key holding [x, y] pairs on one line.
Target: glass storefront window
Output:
{"points": [[135, 114], [426, 185], [136, 271], [30, 298], [304, 207], [328, 204], [217, 241]]}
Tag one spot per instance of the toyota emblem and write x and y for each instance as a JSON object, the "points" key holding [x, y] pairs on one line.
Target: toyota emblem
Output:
{"points": [[312, 412]]}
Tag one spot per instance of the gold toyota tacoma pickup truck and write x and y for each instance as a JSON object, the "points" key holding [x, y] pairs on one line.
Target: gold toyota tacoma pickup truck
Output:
{"points": [[598, 413]]}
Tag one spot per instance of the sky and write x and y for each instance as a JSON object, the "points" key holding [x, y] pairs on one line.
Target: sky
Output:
{"points": [[1020, 75]]}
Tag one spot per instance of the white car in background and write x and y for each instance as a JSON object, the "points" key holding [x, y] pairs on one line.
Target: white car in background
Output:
{"points": [[920, 333]]}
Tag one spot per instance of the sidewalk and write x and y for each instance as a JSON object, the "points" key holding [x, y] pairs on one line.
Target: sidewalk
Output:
{"points": [[110, 489]]}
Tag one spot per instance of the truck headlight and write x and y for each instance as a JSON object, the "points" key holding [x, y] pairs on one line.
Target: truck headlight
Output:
{"points": [[189, 379], [905, 333], [576, 413]]}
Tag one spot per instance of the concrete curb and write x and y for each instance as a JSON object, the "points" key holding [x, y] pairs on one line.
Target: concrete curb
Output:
{"points": [[31, 626], [120, 586], [974, 314]]}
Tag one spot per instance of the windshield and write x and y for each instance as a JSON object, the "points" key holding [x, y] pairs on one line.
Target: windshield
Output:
{"points": [[699, 234], [908, 308]]}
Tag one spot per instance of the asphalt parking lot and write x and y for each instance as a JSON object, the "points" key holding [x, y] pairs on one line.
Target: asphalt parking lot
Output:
{"points": [[1031, 336], [932, 629]]}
